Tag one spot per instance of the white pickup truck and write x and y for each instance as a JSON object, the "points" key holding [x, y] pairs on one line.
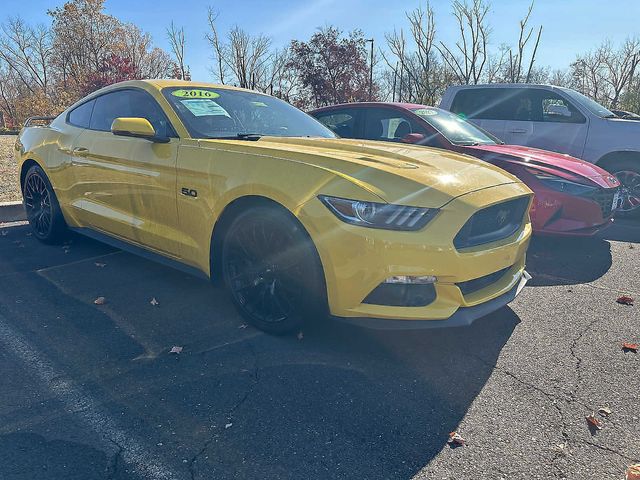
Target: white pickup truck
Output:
{"points": [[557, 119]]}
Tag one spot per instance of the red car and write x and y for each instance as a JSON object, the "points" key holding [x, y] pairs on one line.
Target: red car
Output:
{"points": [[572, 197]]}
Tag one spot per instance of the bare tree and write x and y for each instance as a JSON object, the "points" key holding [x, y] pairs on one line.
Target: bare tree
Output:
{"points": [[217, 45], [515, 72], [619, 67], [177, 42], [469, 56], [240, 58], [607, 73], [416, 72], [26, 51]]}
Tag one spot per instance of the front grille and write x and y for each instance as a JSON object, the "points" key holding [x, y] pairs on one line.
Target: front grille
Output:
{"points": [[604, 198], [492, 223], [479, 283]]}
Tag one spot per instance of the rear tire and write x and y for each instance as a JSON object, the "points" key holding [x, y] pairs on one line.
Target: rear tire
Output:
{"points": [[272, 270], [42, 207], [628, 172]]}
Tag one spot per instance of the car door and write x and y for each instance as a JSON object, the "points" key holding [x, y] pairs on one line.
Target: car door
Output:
{"points": [[128, 184], [546, 119]]}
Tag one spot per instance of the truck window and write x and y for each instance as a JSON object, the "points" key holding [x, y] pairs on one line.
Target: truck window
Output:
{"points": [[558, 109], [486, 103]]}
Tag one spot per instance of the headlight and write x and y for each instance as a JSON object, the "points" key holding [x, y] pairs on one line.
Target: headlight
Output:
{"points": [[379, 215], [561, 185]]}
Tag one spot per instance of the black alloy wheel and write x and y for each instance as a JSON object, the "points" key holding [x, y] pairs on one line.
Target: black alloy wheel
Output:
{"points": [[272, 270], [41, 206]]}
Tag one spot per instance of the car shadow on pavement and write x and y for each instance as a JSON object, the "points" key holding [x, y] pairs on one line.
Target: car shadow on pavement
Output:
{"points": [[623, 230], [567, 261], [330, 401]]}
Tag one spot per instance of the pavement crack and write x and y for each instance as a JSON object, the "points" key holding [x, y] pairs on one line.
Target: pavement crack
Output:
{"points": [[610, 450], [112, 467], [255, 374], [578, 358]]}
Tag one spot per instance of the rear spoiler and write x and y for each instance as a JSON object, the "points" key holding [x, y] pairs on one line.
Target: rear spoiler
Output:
{"points": [[39, 120]]}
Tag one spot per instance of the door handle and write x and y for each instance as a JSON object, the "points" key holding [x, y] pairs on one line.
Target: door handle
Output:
{"points": [[80, 152], [518, 130]]}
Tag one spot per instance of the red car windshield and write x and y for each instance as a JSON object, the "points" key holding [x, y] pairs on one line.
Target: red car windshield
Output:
{"points": [[455, 129]]}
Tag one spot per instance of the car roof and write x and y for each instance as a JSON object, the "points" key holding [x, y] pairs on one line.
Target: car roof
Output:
{"points": [[159, 84], [402, 105], [507, 85]]}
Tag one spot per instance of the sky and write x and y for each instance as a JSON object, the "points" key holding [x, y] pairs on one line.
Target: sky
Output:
{"points": [[570, 26]]}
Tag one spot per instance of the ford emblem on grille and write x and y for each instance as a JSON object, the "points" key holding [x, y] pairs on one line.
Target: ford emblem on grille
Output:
{"points": [[502, 216]]}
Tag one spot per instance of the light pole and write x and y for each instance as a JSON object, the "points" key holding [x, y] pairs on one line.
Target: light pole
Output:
{"points": [[370, 69]]}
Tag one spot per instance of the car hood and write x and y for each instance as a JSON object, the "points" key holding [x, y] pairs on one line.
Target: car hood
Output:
{"points": [[549, 161], [397, 173]]}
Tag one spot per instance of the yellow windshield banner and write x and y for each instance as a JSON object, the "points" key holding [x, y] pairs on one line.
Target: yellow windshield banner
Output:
{"points": [[195, 93]]}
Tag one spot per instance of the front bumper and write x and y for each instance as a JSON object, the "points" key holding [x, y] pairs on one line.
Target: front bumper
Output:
{"points": [[356, 260], [463, 317], [558, 214]]}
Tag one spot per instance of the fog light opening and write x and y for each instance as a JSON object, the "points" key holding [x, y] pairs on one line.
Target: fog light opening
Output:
{"points": [[411, 279]]}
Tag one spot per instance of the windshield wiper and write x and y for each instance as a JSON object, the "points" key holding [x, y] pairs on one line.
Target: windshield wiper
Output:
{"points": [[240, 136]]}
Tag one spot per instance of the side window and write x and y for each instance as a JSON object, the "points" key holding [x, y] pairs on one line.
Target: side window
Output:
{"points": [[81, 115], [341, 122], [389, 125], [486, 103], [129, 103], [558, 109]]}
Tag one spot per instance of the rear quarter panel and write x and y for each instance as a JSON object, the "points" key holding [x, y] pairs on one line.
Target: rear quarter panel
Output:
{"points": [[50, 147]]}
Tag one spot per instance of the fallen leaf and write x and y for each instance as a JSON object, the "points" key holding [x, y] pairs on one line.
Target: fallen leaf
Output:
{"points": [[300, 335], [100, 265], [455, 439], [594, 422], [630, 347], [175, 350], [228, 425], [100, 301], [633, 472], [154, 302], [604, 411], [625, 300], [562, 449]]}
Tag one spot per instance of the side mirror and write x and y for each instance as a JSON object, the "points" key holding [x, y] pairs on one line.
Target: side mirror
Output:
{"points": [[412, 138], [136, 127]]}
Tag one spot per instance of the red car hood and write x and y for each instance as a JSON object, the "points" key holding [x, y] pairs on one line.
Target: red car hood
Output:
{"points": [[551, 160]]}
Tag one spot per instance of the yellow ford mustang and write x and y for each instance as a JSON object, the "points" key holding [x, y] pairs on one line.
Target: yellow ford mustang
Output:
{"points": [[238, 185]]}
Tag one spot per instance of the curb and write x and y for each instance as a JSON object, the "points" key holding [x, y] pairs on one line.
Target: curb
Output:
{"points": [[12, 212]]}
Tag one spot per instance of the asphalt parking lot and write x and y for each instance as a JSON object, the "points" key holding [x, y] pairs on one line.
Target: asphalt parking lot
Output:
{"points": [[91, 391]]}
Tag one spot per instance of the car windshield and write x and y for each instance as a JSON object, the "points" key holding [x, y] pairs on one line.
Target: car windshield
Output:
{"points": [[591, 105], [224, 113], [455, 129]]}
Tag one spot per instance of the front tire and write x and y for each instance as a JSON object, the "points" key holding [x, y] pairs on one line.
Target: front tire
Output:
{"points": [[42, 207], [272, 270], [628, 172]]}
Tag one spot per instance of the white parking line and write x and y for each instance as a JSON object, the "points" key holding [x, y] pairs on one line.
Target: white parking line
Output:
{"points": [[77, 401]]}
